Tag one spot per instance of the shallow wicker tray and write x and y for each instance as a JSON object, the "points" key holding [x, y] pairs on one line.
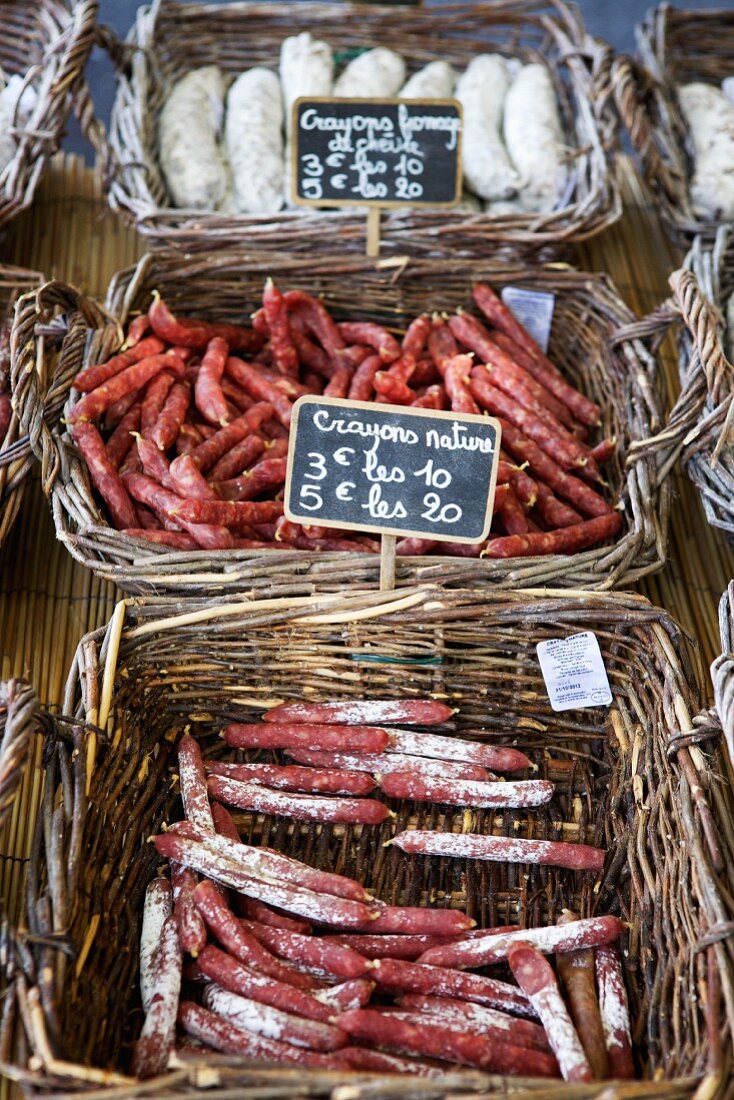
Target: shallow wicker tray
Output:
{"points": [[170, 38], [641, 778], [676, 46], [16, 457], [48, 43], [620, 373]]}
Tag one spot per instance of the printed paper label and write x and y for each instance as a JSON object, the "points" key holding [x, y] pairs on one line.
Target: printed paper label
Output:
{"points": [[574, 672], [533, 309]]}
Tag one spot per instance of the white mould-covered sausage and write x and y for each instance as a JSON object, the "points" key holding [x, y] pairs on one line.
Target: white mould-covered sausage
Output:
{"points": [[434, 81], [481, 90], [188, 133], [534, 137], [709, 115], [253, 139], [306, 68], [375, 74]]}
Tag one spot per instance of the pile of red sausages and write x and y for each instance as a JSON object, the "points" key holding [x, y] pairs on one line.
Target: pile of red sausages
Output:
{"points": [[184, 431], [250, 952]]}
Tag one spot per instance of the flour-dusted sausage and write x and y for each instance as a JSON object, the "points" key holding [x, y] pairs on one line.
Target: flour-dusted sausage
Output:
{"points": [[436, 80], [534, 138], [188, 137], [497, 757], [386, 762], [481, 90], [399, 976], [158, 906], [226, 971], [614, 1011], [288, 734], [591, 932], [576, 972], [318, 955], [418, 712], [271, 1022], [457, 792], [294, 778], [536, 978], [193, 784], [300, 807], [375, 74], [230, 1039], [159, 1028], [551, 853]]}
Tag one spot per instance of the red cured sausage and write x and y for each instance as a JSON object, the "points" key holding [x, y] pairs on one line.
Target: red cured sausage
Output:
{"points": [[301, 807], [188, 481], [397, 976], [191, 930], [377, 1061], [550, 853], [511, 513], [405, 946], [441, 343], [567, 540], [265, 476], [393, 389], [542, 465], [536, 978], [91, 377], [212, 449], [435, 397], [509, 372], [231, 934], [456, 374], [433, 1039], [177, 540], [224, 824], [132, 378], [264, 914], [232, 975], [197, 334], [293, 778], [208, 396], [318, 954], [105, 477], [386, 762], [238, 458], [614, 1012], [156, 393], [361, 387], [317, 320], [285, 356], [271, 1022], [553, 511], [469, 1015], [416, 920], [591, 932], [230, 1039], [287, 734], [193, 785], [374, 336], [457, 792], [414, 712], [155, 463], [252, 382], [502, 318], [340, 382], [166, 428], [229, 513], [455, 748]]}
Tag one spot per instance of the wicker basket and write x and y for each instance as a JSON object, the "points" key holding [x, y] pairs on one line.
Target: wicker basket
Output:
{"points": [[16, 457], [173, 37], [699, 426], [48, 43], [617, 372], [676, 46], [641, 778]]}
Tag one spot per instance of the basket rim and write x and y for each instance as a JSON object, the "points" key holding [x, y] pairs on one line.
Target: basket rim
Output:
{"points": [[90, 691], [136, 568], [128, 179]]}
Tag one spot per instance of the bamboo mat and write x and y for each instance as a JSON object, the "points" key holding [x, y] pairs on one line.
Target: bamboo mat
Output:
{"points": [[47, 601]]}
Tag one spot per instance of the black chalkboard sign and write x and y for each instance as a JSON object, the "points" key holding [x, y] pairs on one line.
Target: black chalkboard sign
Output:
{"points": [[392, 469], [376, 152]]}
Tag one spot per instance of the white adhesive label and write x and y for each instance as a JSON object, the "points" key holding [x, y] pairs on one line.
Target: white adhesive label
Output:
{"points": [[727, 87], [534, 311], [574, 672]]}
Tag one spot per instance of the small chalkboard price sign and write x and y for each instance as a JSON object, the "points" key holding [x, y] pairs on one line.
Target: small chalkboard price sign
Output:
{"points": [[394, 470], [376, 153]]}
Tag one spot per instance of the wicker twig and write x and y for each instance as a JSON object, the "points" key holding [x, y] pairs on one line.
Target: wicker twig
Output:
{"points": [[676, 46], [16, 457], [172, 37], [640, 778], [18, 719], [48, 43], [616, 370]]}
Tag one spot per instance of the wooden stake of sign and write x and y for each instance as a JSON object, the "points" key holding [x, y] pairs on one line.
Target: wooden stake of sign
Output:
{"points": [[373, 232]]}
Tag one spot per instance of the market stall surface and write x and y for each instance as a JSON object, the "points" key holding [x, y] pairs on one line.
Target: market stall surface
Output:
{"points": [[47, 601]]}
